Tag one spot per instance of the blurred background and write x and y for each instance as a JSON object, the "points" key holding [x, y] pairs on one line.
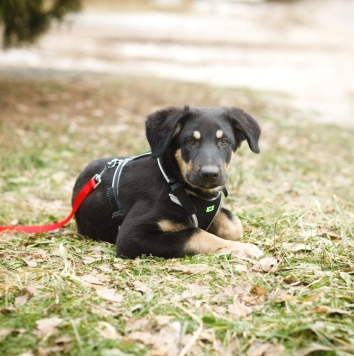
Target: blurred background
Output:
{"points": [[300, 51]]}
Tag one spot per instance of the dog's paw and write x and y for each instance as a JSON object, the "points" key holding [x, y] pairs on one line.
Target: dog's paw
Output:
{"points": [[246, 250]]}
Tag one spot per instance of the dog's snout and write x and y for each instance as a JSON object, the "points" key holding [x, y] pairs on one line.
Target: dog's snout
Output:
{"points": [[210, 172]]}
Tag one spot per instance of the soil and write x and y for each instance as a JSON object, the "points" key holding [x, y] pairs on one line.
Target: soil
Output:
{"points": [[301, 51]]}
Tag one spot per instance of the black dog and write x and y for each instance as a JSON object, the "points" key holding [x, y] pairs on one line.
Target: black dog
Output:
{"points": [[167, 203]]}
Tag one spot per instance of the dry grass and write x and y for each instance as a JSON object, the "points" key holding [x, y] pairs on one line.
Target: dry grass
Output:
{"points": [[63, 294]]}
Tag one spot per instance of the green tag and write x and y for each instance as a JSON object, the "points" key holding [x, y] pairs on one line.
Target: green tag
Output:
{"points": [[209, 209]]}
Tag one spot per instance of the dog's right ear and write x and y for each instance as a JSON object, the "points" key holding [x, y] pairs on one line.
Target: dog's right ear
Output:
{"points": [[162, 126]]}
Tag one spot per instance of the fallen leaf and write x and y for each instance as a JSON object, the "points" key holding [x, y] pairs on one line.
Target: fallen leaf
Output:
{"points": [[119, 266], [268, 264], [27, 353], [110, 294], [87, 260], [21, 300], [107, 331], [47, 327], [191, 269], [32, 288], [5, 332], [55, 349], [146, 338], [141, 287], [330, 311], [239, 309], [312, 348], [30, 263], [91, 279], [163, 319], [105, 268], [258, 291], [63, 339], [265, 349]]}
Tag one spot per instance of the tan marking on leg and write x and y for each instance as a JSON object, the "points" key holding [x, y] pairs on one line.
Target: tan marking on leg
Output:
{"points": [[166, 225], [219, 134], [184, 166], [225, 228], [197, 135], [204, 242]]}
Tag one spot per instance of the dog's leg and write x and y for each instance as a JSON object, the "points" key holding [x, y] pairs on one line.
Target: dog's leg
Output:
{"points": [[146, 235], [204, 242], [227, 226]]}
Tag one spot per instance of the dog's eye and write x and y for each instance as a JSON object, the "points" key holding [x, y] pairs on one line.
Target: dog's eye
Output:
{"points": [[192, 141], [224, 142]]}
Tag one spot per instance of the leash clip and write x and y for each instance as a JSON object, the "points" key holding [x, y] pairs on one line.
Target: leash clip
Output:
{"points": [[110, 164], [98, 180]]}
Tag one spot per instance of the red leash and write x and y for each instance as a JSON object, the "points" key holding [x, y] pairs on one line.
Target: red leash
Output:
{"points": [[85, 191]]}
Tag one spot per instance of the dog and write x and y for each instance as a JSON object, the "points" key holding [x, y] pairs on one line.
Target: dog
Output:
{"points": [[168, 201]]}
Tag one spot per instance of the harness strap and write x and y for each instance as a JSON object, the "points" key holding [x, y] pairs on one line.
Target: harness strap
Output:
{"points": [[202, 211], [113, 191]]}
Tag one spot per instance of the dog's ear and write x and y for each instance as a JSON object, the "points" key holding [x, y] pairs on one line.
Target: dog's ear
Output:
{"points": [[245, 127], [162, 126]]}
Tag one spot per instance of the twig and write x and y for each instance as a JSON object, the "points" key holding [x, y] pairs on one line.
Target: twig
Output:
{"points": [[196, 335]]}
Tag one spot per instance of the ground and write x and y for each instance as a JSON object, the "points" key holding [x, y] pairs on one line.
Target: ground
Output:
{"points": [[64, 294]]}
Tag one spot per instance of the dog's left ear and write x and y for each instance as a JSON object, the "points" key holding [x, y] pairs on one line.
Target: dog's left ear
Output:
{"points": [[162, 126], [245, 127]]}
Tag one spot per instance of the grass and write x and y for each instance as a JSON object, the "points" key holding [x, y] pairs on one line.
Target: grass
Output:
{"points": [[63, 294]]}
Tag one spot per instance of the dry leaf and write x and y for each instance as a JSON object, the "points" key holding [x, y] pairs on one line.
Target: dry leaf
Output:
{"points": [[21, 300], [105, 268], [258, 291], [31, 288], [87, 260], [191, 269], [239, 309], [312, 348], [47, 327], [268, 264], [163, 319], [110, 295], [146, 338], [107, 331], [265, 349], [119, 266], [30, 263], [63, 339], [89, 278], [5, 332], [55, 349], [141, 287]]}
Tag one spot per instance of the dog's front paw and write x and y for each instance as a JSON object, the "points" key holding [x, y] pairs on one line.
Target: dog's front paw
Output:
{"points": [[245, 250]]}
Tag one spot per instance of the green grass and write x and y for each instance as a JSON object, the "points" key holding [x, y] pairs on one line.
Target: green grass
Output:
{"points": [[63, 294]]}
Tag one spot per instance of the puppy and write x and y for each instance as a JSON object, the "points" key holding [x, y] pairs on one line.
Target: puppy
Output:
{"points": [[167, 203]]}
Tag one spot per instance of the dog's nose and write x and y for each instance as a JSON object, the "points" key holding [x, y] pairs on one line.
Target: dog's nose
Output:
{"points": [[210, 172]]}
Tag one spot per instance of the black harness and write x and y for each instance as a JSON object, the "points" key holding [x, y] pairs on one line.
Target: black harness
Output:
{"points": [[202, 211]]}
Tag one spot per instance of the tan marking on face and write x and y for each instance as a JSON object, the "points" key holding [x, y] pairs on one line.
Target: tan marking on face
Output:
{"points": [[166, 225], [219, 134], [197, 135], [229, 229], [184, 166]]}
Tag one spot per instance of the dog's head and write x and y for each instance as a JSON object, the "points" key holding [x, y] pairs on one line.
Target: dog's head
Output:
{"points": [[201, 141]]}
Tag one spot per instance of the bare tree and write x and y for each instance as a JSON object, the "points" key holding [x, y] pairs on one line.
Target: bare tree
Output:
{"points": [[25, 20]]}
